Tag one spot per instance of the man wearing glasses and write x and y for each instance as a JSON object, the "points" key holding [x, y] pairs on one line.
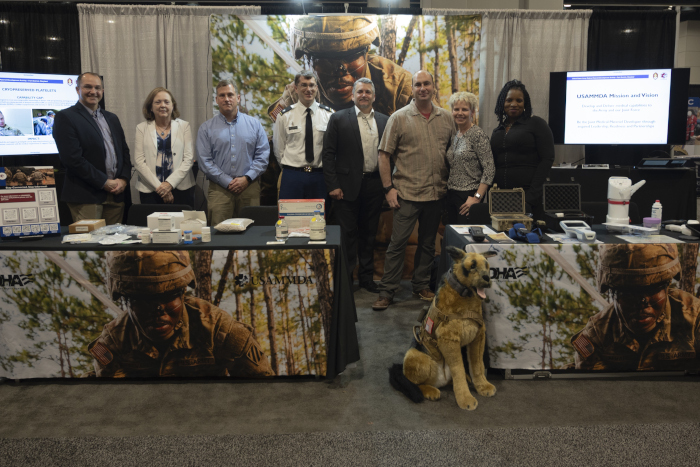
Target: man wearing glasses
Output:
{"points": [[649, 325], [337, 48]]}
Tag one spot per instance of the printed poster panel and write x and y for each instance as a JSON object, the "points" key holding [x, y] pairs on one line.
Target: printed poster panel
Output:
{"points": [[239, 313], [624, 307], [262, 54]]}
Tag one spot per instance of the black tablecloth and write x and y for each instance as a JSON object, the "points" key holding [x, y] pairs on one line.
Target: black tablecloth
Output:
{"points": [[343, 348]]}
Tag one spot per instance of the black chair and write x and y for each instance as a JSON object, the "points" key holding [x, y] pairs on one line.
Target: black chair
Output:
{"points": [[599, 210], [261, 215], [139, 212]]}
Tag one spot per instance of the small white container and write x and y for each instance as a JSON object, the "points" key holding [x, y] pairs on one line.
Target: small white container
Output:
{"points": [[206, 234], [145, 235]]}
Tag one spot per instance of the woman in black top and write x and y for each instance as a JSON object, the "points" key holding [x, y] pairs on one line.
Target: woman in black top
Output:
{"points": [[522, 146]]}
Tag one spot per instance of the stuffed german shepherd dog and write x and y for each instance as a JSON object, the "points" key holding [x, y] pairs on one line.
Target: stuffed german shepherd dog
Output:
{"points": [[454, 320]]}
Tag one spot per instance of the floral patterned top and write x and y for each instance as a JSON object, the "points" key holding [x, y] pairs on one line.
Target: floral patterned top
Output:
{"points": [[470, 160]]}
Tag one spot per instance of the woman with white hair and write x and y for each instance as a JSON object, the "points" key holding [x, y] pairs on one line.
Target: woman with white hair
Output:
{"points": [[470, 160]]}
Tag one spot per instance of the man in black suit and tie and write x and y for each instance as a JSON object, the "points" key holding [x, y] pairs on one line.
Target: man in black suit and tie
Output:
{"points": [[351, 172], [92, 148]]}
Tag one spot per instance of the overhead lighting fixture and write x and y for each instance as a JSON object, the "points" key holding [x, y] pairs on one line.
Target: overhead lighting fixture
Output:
{"points": [[53, 38], [627, 31], [567, 6], [3, 21], [110, 21], [49, 58], [10, 49]]}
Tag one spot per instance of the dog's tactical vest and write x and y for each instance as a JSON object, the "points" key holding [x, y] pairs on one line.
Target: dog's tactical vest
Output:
{"points": [[431, 319]]}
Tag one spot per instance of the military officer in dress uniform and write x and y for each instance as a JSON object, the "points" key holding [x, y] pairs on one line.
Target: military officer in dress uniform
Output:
{"points": [[168, 333], [6, 130], [649, 326], [337, 48], [298, 142]]}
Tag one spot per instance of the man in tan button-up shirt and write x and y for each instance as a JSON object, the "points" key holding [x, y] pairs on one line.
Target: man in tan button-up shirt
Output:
{"points": [[416, 140]]}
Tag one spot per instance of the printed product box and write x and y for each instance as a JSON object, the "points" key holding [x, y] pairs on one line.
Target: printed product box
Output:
{"points": [[298, 212], [86, 225], [29, 211], [152, 219]]}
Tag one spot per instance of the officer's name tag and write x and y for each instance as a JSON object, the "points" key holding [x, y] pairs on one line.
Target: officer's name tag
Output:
{"points": [[429, 325], [293, 128]]}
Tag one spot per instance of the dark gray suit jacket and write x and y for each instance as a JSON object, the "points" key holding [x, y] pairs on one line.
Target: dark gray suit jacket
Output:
{"points": [[343, 157], [82, 152]]}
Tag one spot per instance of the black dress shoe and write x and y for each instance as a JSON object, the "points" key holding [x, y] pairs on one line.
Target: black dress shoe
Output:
{"points": [[370, 286]]}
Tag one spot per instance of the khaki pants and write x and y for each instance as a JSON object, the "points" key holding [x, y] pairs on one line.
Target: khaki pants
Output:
{"points": [[225, 205], [111, 211]]}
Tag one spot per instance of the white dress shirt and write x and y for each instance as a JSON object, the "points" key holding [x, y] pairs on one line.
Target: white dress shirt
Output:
{"points": [[289, 135]]}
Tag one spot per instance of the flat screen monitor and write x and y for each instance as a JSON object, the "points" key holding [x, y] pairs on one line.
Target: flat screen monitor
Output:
{"points": [[619, 107], [27, 105]]}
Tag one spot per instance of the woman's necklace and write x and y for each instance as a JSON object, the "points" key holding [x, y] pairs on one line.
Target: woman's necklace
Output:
{"points": [[162, 131]]}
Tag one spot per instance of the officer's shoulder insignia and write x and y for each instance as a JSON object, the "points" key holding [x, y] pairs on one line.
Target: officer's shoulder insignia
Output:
{"points": [[254, 354], [101, 353], [583, 346], [325, 107], [287, 109]]}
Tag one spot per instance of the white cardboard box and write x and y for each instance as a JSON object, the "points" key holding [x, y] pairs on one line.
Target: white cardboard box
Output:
{"points": [[165, 222], [298, 212], [152, 219], [194, 221], [170, 236]]}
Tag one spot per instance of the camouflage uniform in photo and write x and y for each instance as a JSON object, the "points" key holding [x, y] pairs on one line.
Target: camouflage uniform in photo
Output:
{"points": [[9, 131], [207, 340], [37, 177], [607, 344], [20, 177], [345, 34]]}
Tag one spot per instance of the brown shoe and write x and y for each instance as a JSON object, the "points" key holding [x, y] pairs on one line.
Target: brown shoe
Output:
{"points": [[382, 303], [424, 294]]}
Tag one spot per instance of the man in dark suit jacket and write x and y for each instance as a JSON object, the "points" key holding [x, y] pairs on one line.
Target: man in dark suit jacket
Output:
{"points": [[93, 150], [351, 172]]}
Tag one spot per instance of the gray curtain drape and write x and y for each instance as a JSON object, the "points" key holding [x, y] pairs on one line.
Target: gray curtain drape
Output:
{"points": [[137, 48], [527, 45]]}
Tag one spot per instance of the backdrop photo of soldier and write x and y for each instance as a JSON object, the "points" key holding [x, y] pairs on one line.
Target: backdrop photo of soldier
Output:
{"points": [[625, 307], [43, 121], [263, 53], [20, 176], [242, 313]]}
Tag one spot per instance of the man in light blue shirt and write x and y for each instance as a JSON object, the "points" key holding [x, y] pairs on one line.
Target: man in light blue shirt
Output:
{"points": [[233, 152]]}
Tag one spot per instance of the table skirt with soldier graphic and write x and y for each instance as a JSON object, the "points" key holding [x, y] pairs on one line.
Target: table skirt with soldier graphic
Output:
{"points": [[609, 307], [247, 313]]}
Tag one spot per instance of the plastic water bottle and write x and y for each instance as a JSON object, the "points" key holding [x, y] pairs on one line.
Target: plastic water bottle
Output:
{"points": [[281, 230], [318, 227], [656, 210]]}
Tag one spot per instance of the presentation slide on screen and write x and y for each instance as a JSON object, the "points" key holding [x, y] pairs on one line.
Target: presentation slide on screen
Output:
{"points": [[28, 103], [618, 107]]}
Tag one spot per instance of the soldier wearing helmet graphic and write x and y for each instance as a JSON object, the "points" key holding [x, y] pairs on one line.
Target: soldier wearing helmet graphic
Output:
{"points": [[649, 325], [337, 48], [166, 332]]}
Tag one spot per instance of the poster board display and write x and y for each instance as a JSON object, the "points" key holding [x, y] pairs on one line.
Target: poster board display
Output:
{"points": [[29, 211]]}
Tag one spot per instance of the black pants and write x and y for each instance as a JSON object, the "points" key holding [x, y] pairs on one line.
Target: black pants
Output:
{"points": [[358, 221], [454, 200], [181, 197]]}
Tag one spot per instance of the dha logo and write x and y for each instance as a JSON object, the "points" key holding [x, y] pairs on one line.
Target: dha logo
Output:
{"points": [[242, 279], [508, 273], [15, 280]]}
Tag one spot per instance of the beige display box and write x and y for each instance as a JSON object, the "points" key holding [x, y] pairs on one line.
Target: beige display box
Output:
{"points": [[169, 236], [86, 225], [298, 212], [152, 219]]}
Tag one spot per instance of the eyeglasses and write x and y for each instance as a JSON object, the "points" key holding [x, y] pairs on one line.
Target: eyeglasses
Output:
{"points": [[642, 298], [169, 304], [340, 66]]}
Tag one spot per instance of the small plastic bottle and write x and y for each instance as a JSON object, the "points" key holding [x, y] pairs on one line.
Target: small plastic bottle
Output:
{"points": [[281, 230], [318, 227], [656, 210]]}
